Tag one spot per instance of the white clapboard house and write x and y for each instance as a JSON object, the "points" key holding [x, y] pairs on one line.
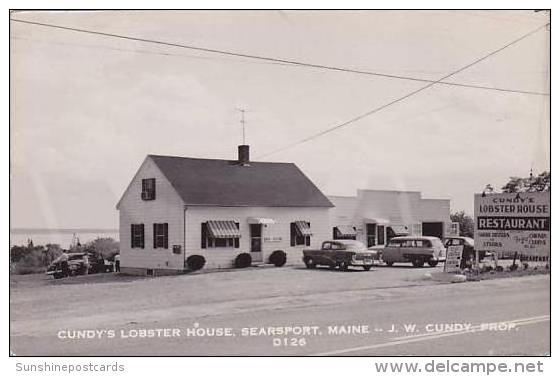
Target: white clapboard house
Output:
{"points": [[175, 207]]}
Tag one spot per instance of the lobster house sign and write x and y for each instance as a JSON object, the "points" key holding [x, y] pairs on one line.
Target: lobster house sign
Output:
{"points": [[513, 222]]}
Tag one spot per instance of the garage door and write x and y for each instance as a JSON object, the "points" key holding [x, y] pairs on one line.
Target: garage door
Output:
{"points": [[432, 229]]}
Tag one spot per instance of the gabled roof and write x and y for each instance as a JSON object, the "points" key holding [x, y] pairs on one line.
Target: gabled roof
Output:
{"points": [[217, 182]]}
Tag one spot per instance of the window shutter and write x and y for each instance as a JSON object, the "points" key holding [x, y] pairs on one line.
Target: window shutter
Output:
{"points": [[236, 240], [334, 233], [142, 235], [131, 236], [292, 234], [165, 238], [203, 235], [308, 238], [154, 235]]}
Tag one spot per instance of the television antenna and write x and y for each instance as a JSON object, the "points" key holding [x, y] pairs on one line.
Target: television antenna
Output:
{"points": [[242, 121]]}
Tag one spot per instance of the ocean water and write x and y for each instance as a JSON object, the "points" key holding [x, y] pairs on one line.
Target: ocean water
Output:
{"points": [[63, 237]]}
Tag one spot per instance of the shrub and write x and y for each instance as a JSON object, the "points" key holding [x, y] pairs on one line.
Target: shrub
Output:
{"points": [[105, 246], [499, 268], [486, 269], [278, 258], [195, 262], [243, 260]]}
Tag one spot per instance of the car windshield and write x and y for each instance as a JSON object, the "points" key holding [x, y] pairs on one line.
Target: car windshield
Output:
{"points": [[396, 242], [469, 241], [353, 245], [436, 243], [460, 241]]}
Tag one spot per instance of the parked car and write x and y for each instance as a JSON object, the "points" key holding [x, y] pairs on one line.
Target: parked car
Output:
{"points": [[468, 248], [376, 252], [415, 249], [77, 264], [341, 254]]}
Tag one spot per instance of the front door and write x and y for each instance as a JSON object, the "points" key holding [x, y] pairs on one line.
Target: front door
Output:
{"points": [[371, 234], [256, 242], [380, 235]]}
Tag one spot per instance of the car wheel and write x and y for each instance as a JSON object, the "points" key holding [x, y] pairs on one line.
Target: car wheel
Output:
{"points": [[432, 262], [389, 263], [367, 268], [309, 263], [343, 266], [418, 263]]}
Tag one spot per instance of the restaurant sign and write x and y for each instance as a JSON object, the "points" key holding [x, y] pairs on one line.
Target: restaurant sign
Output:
{"points": [[513, 222]]}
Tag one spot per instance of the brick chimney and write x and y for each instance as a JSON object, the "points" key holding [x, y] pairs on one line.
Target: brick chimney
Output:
{"points": [[243, 152]]}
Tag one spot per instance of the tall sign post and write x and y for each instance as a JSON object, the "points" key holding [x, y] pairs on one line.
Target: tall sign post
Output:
{"points": [[512, 222]]}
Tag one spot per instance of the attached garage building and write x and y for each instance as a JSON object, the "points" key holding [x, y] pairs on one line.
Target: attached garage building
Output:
{"points": [[375, 216]]}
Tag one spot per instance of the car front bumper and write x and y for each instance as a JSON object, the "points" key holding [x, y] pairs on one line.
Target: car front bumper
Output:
{"points": [[363, 262]]}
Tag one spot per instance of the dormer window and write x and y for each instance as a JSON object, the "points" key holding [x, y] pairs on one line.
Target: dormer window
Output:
{"points": [[148, 189]]}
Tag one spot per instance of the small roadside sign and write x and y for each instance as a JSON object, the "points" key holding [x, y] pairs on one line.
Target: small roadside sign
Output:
{"points": [[453, 259]]}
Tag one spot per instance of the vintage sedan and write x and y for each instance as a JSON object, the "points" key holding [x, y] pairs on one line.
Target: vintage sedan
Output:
{"points": [[415, 249], [80, 263], [468, 249], [341, 254]]}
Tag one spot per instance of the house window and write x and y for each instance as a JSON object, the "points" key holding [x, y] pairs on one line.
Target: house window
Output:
{"points": [[380, 235], [148, 189], [220, 234], [160, 235], [416, 229], [300, 233], [137, 235], [371, 233]]}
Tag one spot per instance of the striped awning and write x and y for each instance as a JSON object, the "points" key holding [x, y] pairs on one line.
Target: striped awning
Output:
{"points": [[345, 231], [303, 228], [223, 229], [400, 230]]}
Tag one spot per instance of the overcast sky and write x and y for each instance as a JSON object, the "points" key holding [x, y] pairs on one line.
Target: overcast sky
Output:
{"points": [[86, 109]]}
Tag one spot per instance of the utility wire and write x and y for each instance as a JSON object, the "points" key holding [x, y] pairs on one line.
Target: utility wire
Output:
{"points": [[400, 99], [277, 60], [146, 52]]}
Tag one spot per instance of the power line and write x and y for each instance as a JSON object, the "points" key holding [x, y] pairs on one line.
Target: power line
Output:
{"points": [[231, 60], [278, 60], [400, 99]]}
